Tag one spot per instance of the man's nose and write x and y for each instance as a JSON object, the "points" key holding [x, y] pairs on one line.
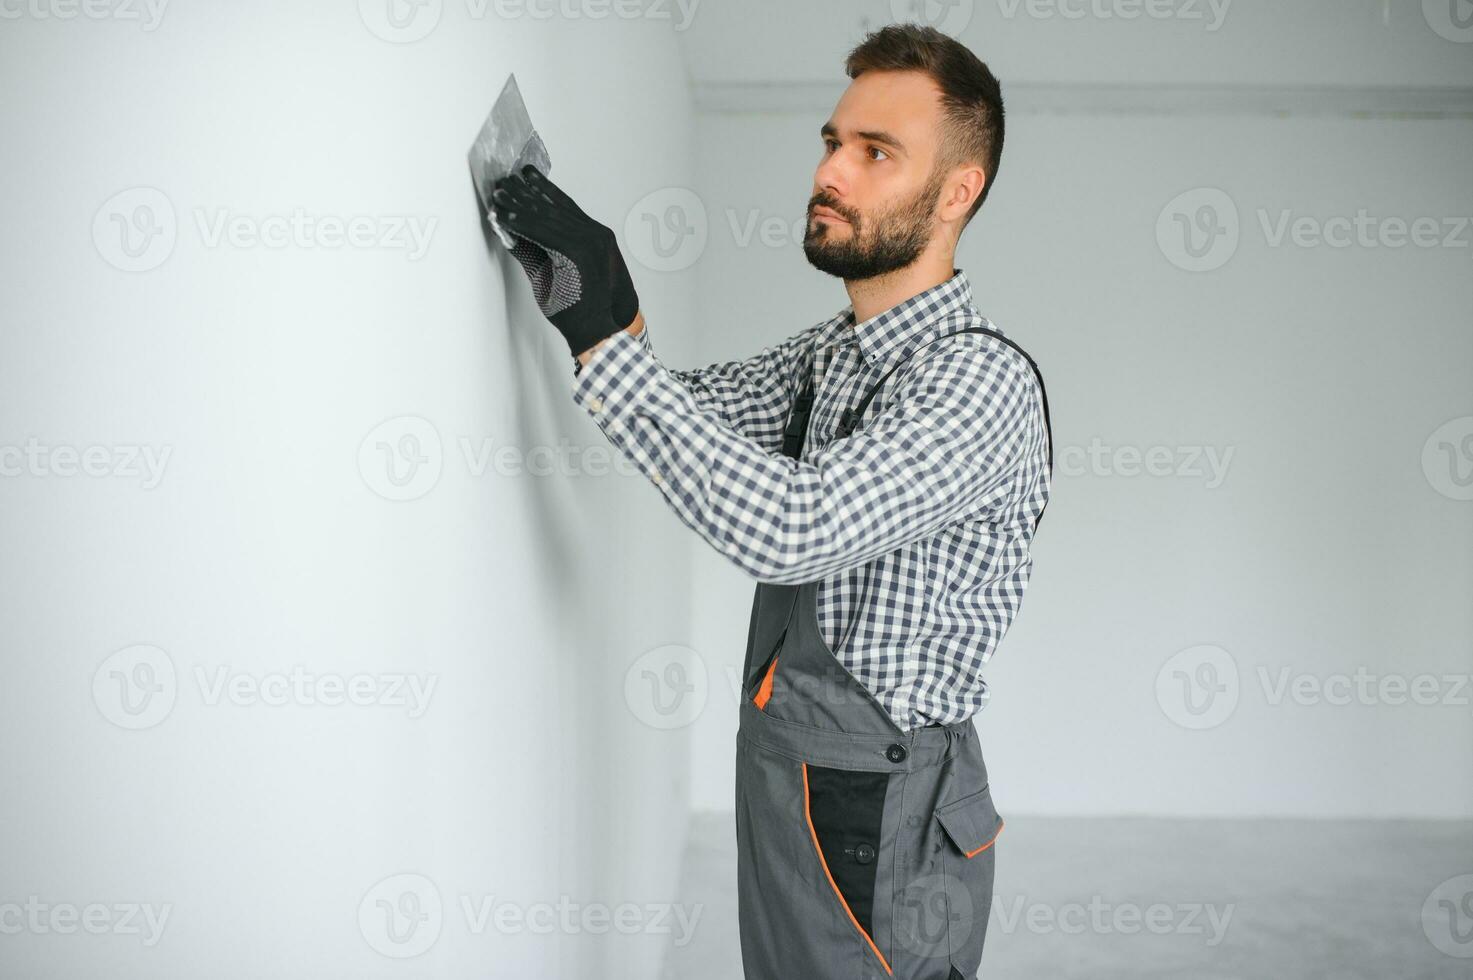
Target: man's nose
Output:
{"points": [[829, 178]]}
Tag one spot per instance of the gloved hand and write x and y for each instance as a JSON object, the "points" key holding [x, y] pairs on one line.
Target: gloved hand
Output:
{"points": [[577, 272]]}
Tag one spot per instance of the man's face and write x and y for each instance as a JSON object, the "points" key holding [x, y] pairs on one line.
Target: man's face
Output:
{"points": [[876, 188]]}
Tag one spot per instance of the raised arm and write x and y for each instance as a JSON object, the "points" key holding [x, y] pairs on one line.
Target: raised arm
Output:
{"points": [[752, 396], [958, 434]]}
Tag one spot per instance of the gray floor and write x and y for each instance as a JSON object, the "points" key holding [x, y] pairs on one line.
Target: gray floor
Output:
{"points": [[1265, 898]]}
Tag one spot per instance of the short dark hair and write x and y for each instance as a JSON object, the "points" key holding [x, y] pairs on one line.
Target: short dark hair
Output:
{"points": [[971, 97]]}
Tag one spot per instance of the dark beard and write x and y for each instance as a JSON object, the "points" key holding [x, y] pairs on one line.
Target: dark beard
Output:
{"points": [[900, 235]]}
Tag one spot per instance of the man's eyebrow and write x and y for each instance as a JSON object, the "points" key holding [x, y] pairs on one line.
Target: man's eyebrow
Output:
{"points": [[872, 135]]}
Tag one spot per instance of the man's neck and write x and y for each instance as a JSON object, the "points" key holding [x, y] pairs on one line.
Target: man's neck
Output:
{"points": [[871, 297]]}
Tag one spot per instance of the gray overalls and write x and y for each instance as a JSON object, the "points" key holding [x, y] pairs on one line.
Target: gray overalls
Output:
{"points": [[863, 852]]}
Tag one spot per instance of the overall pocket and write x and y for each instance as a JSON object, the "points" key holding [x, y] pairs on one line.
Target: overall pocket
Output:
{"points": [[971, 822], [758, 687]]}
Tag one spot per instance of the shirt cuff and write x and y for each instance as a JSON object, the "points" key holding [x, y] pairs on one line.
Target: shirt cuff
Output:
{"points": [[616, 377], [644, 341]]}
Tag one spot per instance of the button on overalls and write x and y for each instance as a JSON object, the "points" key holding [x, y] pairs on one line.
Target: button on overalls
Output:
{"points": [[863, 852]]}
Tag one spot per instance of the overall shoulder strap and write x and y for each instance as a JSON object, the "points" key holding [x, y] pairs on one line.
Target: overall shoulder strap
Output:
{"points": [[797, 427], [849, 421]]}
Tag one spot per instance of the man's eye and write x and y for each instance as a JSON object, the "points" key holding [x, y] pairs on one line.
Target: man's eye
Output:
{"points": [[876, 149], [830, 145]]}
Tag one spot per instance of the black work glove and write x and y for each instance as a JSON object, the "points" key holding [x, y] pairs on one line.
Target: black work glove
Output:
{"points": [[577, 272]]}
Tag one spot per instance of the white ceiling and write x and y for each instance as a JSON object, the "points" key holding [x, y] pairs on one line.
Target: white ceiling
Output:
{"points": [[1350, 55]]}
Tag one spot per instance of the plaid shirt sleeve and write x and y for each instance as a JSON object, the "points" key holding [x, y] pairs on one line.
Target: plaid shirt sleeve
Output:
{"points": [[954, 434], [754, 396]]}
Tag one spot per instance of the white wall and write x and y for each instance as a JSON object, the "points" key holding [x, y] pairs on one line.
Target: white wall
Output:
{"points": [[1327, 549], [266, 545]]}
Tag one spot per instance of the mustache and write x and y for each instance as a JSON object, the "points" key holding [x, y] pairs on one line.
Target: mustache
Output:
{"points": [[824, 201]]}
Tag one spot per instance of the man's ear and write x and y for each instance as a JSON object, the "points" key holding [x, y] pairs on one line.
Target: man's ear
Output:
{"points": [[962, 190]]}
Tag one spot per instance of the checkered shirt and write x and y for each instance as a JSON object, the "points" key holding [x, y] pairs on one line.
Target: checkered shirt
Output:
{"points": [[917, 526]]}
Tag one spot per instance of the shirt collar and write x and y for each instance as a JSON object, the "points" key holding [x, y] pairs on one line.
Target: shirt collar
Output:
{"points": [[887, 336]]}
